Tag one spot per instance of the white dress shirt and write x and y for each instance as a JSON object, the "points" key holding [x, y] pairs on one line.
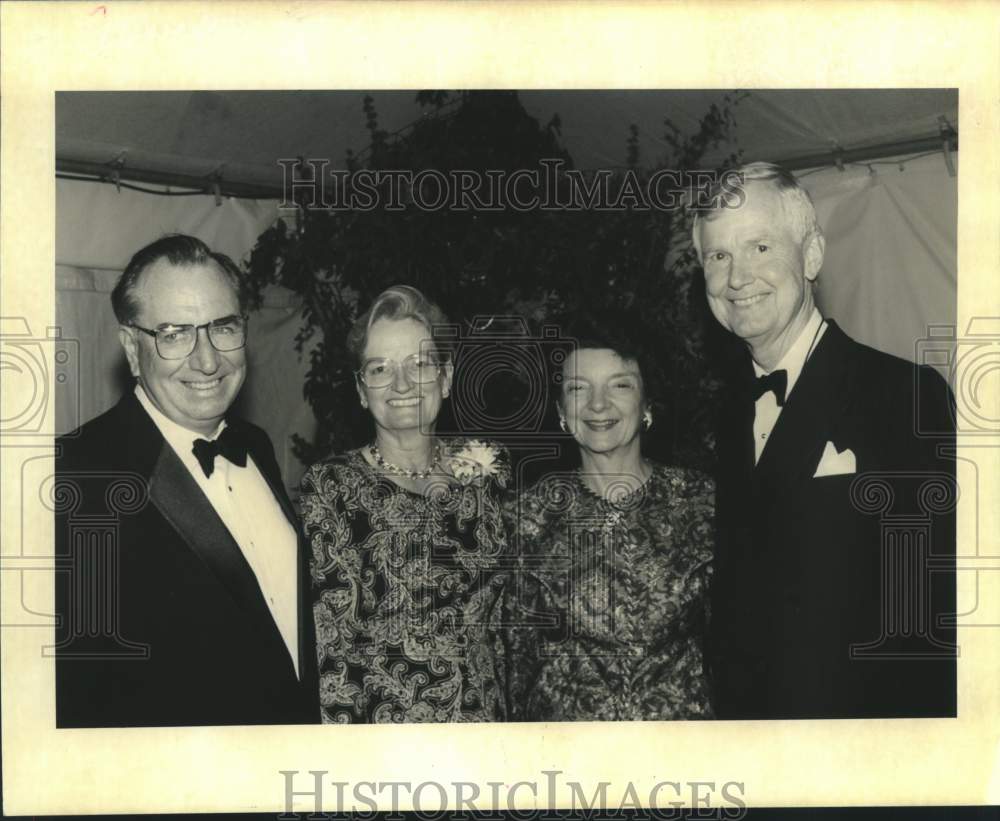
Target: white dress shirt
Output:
{"points": [[251, 513], [766, 409]]}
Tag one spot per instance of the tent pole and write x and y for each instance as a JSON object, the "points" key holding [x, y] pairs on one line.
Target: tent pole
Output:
{"points": [[103, 172], [868, 154]]}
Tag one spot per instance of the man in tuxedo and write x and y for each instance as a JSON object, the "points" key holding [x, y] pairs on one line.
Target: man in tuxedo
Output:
{"points": [[182, 599], [834, 575]]}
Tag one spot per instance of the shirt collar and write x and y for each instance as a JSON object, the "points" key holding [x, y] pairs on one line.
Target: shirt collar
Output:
{"points": [[795, 357], [178, 437]]}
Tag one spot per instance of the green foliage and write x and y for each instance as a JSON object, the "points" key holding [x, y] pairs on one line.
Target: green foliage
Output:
{"points": [[628, 266]]}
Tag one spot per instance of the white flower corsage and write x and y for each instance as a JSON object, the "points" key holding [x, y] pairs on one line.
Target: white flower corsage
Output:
{"points": [[476, 461]]}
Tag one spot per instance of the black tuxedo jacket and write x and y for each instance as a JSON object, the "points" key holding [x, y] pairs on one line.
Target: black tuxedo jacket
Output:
{"points": [[832, 596], [161, 621]]}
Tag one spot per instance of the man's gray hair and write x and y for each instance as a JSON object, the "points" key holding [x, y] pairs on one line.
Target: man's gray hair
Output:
{"points": [[796, 202]]}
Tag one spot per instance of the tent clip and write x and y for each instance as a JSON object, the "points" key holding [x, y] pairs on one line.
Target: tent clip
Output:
{"points": [[947, 135], [116, 165], [217, 184]]}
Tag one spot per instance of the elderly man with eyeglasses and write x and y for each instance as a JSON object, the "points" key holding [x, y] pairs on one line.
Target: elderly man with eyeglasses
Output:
{"points": [[189, 609]]}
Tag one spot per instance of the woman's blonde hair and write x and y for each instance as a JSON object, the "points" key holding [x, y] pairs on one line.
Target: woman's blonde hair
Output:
{"points": [[397, 302]]}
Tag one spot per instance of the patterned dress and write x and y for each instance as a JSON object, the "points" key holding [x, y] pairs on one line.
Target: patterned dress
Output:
{"points": [[407, 590], [607, 613]]}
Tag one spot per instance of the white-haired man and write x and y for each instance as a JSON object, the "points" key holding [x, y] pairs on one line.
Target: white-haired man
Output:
{"points": [[819, 609]]}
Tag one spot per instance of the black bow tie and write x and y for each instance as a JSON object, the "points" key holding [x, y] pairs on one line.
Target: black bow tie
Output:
{"points": [[776, 381], [230, 444]]}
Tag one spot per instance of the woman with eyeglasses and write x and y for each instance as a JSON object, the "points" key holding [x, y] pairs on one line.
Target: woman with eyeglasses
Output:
{"points": [[406, 536]]}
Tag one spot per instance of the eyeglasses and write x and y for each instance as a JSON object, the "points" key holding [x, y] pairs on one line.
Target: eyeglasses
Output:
{"points": [[229, 333], [419, 369]]}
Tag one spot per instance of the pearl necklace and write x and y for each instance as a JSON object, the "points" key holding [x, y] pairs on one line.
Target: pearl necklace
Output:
{"points": [[388, 467]]}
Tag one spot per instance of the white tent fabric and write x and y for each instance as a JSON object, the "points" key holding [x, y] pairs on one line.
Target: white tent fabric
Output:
{"points": [[97, 231], [102, 227], [241, 134], [892, 250], [889, 273]]}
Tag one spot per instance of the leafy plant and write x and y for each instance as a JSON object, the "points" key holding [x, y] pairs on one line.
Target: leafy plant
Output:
{"points": [[632, 266]]}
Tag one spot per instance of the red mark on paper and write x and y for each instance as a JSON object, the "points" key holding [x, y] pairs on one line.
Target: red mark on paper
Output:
{"points": [[102, 9]]}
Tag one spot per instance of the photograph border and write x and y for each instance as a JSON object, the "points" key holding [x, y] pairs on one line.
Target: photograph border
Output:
{"points": [[86, 46]]}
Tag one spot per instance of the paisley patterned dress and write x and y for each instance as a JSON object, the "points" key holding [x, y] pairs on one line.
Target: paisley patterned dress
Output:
{"points": [[607, 613], [407, 591]]}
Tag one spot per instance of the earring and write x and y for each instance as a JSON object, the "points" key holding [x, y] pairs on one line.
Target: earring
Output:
{"points": [[647, 420], [562, 424]]}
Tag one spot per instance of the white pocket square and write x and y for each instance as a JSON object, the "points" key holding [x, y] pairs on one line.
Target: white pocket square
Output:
{"points": [[833, 463]]}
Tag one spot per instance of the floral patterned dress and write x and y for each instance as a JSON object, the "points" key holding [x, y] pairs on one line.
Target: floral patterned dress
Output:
{"points": [[407, 589], [608, 610]]}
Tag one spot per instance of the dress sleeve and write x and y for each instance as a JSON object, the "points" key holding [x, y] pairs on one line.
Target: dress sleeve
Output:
{"points": [[324, 519], [521, 603], [708, 536], [697, 509], [336, 586], [702, 533]]}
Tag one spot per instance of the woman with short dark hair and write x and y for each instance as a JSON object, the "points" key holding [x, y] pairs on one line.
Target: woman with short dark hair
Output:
{"points": [[609, 606]]}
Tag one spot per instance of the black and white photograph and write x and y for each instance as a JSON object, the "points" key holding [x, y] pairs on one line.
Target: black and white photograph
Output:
{"points": [[506, 414], [516, 499]]}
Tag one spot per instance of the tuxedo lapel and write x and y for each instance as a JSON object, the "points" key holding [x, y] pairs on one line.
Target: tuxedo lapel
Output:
{"points": [[805, 423], [177, 496], [737, 451]]}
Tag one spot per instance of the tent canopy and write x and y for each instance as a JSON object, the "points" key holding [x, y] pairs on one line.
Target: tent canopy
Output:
{"points": [[891, 229], [241, 134]]}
